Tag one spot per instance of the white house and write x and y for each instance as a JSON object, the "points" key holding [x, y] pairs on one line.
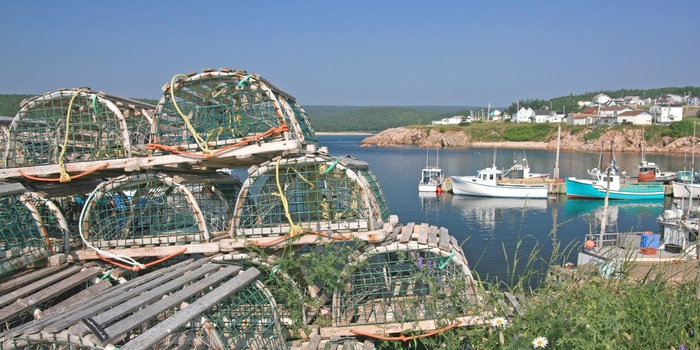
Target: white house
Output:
{"points": [[666, 114], [556, 117], [579, 119], [542, 116], [601, 99], [448, 121], [524, 115], [636, 117]]}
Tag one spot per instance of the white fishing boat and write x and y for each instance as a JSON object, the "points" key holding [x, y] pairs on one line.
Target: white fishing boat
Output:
{"points": [[521, 171], [486, 184], [431, 178]]}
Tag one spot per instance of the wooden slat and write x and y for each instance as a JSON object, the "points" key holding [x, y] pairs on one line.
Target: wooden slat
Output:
{"points": [[153, 336], [396, 328], [444, 239], [423, 234], [514, 301], [137, 301], [454, 242], [119, 329], [141, 252], [33, 287], [116, 299], [407, 232], [90, 293], [38, 325], [432, 236], [22, 305], [30, 277]]}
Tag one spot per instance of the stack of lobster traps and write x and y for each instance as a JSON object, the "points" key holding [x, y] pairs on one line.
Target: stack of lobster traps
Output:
{"points": [[99, 192]]}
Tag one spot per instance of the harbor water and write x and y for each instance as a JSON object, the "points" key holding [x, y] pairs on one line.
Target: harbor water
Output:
{"points": [[498, 235]]}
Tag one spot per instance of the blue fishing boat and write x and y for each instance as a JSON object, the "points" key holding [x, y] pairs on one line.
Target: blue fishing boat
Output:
{"points": [[614, 187]]}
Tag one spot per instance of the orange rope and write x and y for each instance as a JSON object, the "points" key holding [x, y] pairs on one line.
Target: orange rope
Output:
{"points": [[60, 179], [319, 233], [138, 268], [281, 129], [405, 338]]}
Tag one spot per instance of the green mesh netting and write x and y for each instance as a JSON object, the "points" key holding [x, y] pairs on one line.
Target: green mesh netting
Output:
{"points": [[53, 221], [142, 209], [247, 320], [23, 240], [76, 126], [322, 194], [406, 285], [216, 109]]}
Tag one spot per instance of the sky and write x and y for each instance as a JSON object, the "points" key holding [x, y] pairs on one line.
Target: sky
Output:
{"points": [[355, 53]]}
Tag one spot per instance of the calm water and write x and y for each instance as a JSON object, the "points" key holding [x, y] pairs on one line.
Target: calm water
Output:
{"points": [[496, 230]]}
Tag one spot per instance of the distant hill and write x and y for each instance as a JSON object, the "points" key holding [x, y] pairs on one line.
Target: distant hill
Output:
{"points": [[374, 119]]}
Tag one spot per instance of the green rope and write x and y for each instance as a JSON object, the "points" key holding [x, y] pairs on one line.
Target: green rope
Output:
{"points": [[243, 81], [106, 275], [94, 104], [331, 167], [443, 263]]}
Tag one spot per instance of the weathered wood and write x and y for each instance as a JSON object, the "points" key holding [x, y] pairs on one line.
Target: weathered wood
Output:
{"points": [[407, 232], [314, 340], [119, 329], [514, 301], [432, 236], [423, 234], [129, 305], [444, 239], [8, 189], [396, 328], [240, 156], [140, 252], [33, 287], [29, 277], [153, 336], [90, 293], [454, 242], [121, 297], [40, 324], [22, 305]]}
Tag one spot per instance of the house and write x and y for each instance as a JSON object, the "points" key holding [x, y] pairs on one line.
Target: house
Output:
{"points": [[666, 114], [524, 115], [542, 115], [601, 99], [693, 101], [636, 117], [579, 119], [556, 117], [448, 121], [495, 115]]}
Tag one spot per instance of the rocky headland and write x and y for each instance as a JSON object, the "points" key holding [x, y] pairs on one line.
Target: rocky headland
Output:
{"points": [[625, 140]]}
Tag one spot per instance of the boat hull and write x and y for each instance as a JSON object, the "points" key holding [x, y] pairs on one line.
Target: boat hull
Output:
{"points": [[470, 186], [686, 190], [583, 188]]}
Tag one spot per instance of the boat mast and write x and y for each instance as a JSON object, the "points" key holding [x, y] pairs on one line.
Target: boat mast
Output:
{"points": [[556, 162]]}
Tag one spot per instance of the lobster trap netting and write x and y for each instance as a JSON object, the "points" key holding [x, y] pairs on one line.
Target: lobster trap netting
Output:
{"points": [[142, 209], [23, 238], [400, 283], [219, 110], [77, 125], [58, 233], [316, 193]]}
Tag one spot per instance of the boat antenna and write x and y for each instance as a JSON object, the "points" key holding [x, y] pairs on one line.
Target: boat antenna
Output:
{"points": [[426, 156]]}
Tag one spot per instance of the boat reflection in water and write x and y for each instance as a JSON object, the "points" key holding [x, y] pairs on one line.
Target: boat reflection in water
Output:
{"points": [[594, 211], [487, 211]]}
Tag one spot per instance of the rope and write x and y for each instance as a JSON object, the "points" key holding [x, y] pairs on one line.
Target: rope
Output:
{"points": [[279, 130], [139, 267], [403, 337], [61, 178], [64, 177], [444, 262], [105, 255], [198, 139]]}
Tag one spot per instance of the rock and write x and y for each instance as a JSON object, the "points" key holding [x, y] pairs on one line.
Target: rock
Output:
{"points": [[625, 140]]}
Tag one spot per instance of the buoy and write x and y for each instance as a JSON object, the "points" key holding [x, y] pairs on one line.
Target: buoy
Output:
{"points": [[590, 244]]}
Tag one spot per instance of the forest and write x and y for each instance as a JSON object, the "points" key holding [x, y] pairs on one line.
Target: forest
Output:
{"points": [[378, 118]]}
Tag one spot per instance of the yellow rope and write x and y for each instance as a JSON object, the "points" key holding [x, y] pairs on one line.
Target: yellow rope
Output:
{"points": [[198, 139], [293, 229], [64, 177]]}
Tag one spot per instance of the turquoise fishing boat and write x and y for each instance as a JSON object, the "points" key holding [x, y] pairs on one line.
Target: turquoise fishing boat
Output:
{"points": [[614, 187]]}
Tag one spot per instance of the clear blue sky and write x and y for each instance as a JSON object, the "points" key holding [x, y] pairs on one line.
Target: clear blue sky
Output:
{"points": [[360, 52]]}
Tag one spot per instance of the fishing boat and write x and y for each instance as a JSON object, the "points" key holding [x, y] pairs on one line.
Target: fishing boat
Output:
{"points": [[650, 172], [486, 184], [675, 242], [521, 171], [431, 178], [614, 186]]}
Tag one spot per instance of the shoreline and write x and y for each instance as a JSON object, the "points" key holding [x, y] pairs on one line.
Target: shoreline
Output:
{"points": [[359, 133]]}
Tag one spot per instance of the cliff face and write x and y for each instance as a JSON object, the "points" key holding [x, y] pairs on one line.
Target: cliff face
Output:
{"points": [[627, 140]]}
